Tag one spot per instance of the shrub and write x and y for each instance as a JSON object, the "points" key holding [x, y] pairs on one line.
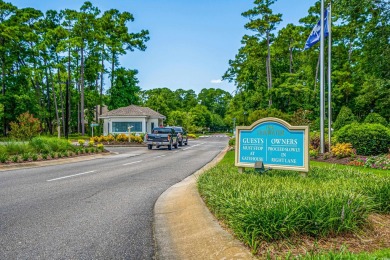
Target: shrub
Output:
{"points": [[100, 147], [313, 153], [40, 144], [342, 150], [271, 112], [136, 139], [81, 142], [315, 141], [356, 162], [3, 157], [367, 139], [345, 117], [14, 148], [301, 117], [122, 138], [110, 138], [232, 141], [34, 157], [25, 128], [48, 144], [15, 158], [25, 156], [191, 136], [378, 162], [375, 118], [91, 143]]}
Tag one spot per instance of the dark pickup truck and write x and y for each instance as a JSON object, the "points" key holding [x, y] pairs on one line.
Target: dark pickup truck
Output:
{"points": [[162, 136]]}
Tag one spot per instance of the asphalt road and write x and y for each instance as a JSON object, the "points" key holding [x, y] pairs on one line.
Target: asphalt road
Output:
{"points": [[97, 209]]}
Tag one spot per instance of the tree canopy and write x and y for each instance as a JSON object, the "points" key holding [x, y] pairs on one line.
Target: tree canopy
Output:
{"points": [[59, 61]]}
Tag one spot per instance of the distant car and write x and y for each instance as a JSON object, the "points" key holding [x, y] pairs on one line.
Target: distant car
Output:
{"points": [[181, 135]]}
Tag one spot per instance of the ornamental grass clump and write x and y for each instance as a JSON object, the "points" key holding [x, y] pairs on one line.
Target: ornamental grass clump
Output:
{"points": [[25, 157], [281, 204], [16, 148], [41, 144], [15, 158], [3, 157]]}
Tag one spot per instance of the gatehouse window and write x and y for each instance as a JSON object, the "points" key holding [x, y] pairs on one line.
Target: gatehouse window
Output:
{"points": [[122, 127]]}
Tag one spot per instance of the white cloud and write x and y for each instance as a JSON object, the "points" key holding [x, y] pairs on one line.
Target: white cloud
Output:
{"points": [[216, 81]]}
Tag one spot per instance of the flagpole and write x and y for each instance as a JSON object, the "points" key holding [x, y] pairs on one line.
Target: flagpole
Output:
{"points": [[329, 74], [322, 110]]}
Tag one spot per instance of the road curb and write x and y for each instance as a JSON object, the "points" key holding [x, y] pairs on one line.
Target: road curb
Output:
{"points": [[184, 228]]}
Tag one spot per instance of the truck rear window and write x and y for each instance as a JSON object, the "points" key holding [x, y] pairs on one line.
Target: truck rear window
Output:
{"points": [[162, 131]]}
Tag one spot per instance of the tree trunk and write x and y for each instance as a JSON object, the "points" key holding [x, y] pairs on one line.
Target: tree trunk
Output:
{"points": [[56, 106], [97, 105], [61, 100], [78, 109], [49, 123], [269, 74], [101, 84], [291, 60], [112, 68], [3, 93], [61, 95], [3, 77], [82, 92]]}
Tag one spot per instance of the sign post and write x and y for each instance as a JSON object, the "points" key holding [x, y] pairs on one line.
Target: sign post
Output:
{"points": [[129, 128], [272, 143], [92, 125]]}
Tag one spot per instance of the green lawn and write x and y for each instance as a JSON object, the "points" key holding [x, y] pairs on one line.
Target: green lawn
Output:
{"points": [[276, 205]]}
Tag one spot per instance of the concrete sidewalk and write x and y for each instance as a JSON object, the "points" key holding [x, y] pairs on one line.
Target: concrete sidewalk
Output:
{"points": [[184, 228]]}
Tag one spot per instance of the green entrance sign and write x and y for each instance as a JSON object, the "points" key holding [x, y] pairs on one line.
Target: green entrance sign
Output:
{"points": [[273, 143]]}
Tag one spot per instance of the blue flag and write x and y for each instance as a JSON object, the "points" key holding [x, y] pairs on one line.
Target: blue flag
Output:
{"points": [[315, 35]]}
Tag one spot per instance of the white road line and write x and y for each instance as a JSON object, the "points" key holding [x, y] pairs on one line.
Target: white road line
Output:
{"points": [[160, 156], [192, 146], [70, 176], [132, 162]]}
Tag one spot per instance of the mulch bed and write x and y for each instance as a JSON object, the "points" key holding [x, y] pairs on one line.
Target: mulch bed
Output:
{"points": [[332, 159]]}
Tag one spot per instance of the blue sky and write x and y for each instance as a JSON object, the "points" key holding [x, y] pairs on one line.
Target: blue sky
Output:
{"points": [[190, 43]]}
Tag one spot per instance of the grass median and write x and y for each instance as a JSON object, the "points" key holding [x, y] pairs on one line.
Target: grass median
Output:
{"points": [[280, 205]]}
